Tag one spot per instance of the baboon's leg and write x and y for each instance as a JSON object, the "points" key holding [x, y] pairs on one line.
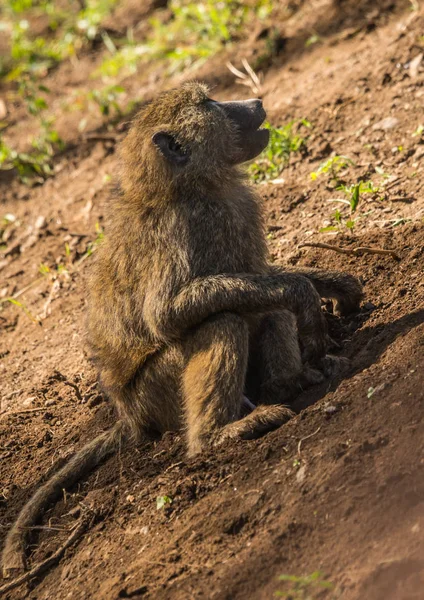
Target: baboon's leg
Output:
{"points": [[276, 373], [157, 400], [213, 381]]}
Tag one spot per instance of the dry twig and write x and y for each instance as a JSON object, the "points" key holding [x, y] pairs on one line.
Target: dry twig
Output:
{"points": [[306, 438], [249, 78]]}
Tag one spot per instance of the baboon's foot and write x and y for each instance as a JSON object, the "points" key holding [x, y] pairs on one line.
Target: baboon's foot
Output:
{"points": [[257, 423], [310, 377]]}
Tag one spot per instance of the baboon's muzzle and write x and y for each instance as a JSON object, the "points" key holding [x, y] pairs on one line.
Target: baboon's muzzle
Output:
{"points": [[248, 116]]}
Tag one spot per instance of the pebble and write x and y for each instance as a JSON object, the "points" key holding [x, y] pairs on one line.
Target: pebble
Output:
{"points": [[301, 474], [29, 401], [386, 124]]}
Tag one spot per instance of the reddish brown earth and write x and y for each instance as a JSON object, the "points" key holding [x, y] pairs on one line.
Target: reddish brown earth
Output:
{"points": [[340, 488]]}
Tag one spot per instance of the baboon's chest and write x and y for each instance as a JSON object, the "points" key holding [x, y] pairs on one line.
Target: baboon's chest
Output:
{"points": [[223, 239]]}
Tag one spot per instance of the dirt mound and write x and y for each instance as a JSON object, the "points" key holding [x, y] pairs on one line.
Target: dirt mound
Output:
{"points": [[338, 490]]}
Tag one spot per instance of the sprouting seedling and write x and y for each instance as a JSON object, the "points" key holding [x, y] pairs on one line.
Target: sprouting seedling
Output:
{"points": [[419, 131], [23, 307], [313, 39], [282, 142], [44, 269], [107, 99], [332, 167], [303, 587], [91, 247], [162, 501], [353, 194], [354, 191]]}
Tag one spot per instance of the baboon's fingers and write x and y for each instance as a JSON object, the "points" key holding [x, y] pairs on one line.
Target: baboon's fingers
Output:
{"points": [[259, 422], [332, 344], [247, 406], [345, 306], [314, 348], [332, 366]]}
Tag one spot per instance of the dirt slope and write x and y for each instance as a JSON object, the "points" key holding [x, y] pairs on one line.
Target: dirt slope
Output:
{"points": [[339, 489]]}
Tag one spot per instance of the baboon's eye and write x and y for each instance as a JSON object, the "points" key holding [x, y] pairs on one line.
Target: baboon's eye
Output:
{"points": [[170, 148]]}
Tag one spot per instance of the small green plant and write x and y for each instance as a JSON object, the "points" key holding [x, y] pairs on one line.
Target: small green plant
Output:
{"points": [[70, 30], [35, 165], [353, 193], [313, 39], [282, 142], [93, 245], [162, 501], [419, 131], [195, 31], [303, 588], [44, 269], [107, 99], [332, 167], [23, 307]]}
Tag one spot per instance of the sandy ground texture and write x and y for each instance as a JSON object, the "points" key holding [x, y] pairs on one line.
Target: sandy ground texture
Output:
{"points": [[340, 488]]}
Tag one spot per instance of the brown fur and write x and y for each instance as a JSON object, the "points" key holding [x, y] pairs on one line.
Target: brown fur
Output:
{"points": [[185, 314]]}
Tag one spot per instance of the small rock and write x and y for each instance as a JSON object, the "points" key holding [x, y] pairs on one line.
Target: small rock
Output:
{"points": [[50, 402], [414, 65], [386, 124], [330, 410], [29, 401], [301, 474], [40, 223], [3, 109], [369, 306], [419, 152]]}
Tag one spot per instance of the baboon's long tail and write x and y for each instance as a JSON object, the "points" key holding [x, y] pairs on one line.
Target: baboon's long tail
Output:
{"points": [[82, 463], [342, 287]]}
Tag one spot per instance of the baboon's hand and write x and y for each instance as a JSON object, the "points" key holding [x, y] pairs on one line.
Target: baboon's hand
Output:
{"points": [[312, 328]]}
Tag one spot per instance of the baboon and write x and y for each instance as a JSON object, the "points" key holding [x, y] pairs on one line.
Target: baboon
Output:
{"points": [[189, 326]]}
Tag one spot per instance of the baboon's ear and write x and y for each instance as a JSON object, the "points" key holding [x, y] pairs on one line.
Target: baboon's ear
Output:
{"points": [[170, 148]]}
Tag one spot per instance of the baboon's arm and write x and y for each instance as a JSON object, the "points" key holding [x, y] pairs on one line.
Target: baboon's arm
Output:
{"points": [[244, 293], [342, 287]]}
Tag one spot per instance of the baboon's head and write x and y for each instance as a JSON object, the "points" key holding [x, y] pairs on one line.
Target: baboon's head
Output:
{"points": [[184, 134]]}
